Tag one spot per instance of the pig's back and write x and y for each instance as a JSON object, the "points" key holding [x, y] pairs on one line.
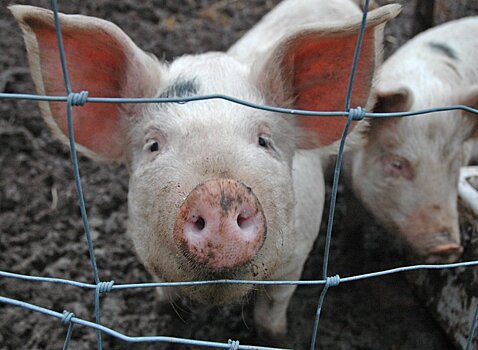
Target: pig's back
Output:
{"points": [[457, 40]]}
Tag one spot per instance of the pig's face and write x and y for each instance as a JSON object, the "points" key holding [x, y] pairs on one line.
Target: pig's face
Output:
{"points": [[224, 141], [407, 175], [211, 192]]}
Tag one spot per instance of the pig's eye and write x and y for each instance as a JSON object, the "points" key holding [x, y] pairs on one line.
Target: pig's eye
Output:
{"points": [[264, 141], [397, 164], [154, 146], [155, 143]]}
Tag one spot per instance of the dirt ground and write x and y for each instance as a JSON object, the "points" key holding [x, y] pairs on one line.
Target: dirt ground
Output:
{"points": [[41, 233]]}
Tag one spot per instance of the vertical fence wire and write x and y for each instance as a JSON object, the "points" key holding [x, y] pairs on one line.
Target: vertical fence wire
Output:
{"points": [[338, 165], [79, 99], [76, 170], [67, 316], [71, 136]]}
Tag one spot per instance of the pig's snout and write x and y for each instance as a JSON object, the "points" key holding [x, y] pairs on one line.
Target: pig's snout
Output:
{"points": [[433, 234], [220, 225]]}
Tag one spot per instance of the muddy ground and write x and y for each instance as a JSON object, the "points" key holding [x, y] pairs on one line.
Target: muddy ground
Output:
{"points": [[41, 232]]}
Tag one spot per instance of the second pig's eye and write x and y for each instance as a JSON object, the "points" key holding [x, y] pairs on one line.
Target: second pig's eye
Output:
{"points": [[396, 166]]}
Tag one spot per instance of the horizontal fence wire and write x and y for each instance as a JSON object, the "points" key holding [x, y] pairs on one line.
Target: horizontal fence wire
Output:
{"points": [[182, 100], [68, 318], [79, 99]]}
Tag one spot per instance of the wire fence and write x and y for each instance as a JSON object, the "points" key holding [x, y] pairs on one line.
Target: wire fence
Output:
{"points": [[73, 99]]}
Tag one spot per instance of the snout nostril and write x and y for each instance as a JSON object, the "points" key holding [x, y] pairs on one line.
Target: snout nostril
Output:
{"points": [[200, 223], [241, 220]]}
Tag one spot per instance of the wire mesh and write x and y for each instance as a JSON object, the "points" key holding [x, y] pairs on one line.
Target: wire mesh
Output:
{"points": [[78, 99]]}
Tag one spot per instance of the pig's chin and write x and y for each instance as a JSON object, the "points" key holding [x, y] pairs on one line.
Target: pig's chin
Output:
{"points": [[221, 293]]}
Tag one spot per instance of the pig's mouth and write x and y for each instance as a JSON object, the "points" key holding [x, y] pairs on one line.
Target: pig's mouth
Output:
{"points": [[222, 292], [444, 254], [217, 294], [203, 272], [438, 249]]}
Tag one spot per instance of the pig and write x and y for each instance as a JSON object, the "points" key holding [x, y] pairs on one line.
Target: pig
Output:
{"points": [[405, 170], [217, 190]]}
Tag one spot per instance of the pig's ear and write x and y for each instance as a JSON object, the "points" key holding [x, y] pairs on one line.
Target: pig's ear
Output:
{"points": [[102, 60], [310, 70]]}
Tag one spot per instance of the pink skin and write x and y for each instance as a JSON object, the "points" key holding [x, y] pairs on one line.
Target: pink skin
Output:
{"points": [[220, 224]]}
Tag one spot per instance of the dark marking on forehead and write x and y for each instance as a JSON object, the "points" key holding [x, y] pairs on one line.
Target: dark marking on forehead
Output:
{"points": [[181, 88], [444, 49]]}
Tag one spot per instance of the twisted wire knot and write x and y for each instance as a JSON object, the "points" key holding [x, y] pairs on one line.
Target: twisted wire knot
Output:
{"points": [[67, 316], [357, 113], [233, 344], [332, 281], [105, 287], [77, 99]]}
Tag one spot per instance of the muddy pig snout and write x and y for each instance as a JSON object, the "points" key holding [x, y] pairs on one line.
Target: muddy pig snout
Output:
{"points": [[220, 224]]}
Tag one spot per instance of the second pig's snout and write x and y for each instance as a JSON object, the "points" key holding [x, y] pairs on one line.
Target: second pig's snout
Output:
{"points": [[220, 225], [444, 249]]}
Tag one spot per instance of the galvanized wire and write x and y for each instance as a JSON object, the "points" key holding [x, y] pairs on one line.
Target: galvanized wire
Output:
{"points": [[71, 319], [78, 99]]}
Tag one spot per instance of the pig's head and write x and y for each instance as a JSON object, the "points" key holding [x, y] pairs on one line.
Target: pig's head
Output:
{"points": [[407, 172], [211, 192]]}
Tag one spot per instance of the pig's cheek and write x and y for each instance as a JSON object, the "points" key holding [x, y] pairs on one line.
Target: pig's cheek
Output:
{"points": [[280, 221], [151, 202]]}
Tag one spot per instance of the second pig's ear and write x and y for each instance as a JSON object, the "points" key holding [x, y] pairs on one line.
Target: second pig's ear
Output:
{"points": [[102, 60], [393, 99], [310, 70], [389, 99]]}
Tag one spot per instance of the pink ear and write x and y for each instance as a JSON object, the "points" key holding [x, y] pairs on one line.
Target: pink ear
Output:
{"points": [[321, 73], [312, 69], [101, 59]]}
